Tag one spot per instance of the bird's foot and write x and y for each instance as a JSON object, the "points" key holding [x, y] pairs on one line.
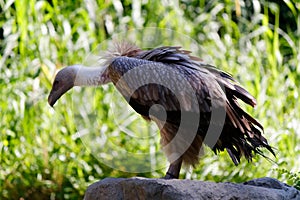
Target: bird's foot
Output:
{"points": [[174, 169], [170, 176]]}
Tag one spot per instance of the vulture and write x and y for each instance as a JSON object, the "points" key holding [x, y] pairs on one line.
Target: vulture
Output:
{"points": [[192, 103]]}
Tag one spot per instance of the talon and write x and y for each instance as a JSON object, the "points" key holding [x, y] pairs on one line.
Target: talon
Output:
{"points": [[170, 176]]}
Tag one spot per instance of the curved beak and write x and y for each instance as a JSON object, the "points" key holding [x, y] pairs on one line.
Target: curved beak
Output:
{"points": [[56, 94], [53, 97]]}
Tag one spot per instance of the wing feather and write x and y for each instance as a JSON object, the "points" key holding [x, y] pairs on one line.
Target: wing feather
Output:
{"points": [[211, 87]]}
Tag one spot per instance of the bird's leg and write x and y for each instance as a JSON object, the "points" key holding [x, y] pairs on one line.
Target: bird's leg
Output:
{"points": [[174, 169]]}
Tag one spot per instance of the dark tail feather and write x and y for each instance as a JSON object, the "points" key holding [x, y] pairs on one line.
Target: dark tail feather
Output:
{"points": [[232, 153], [244, 95], [243, 133]]}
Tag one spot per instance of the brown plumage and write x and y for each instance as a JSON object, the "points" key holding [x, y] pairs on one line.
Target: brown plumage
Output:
{"points": [[191, 92]]}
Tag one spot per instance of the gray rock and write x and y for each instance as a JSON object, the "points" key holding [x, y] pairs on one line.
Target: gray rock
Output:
{"points": [[144, 188]]}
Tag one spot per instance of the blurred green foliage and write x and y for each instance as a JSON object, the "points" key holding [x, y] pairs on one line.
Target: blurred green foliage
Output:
{"points": [[259, 43]]}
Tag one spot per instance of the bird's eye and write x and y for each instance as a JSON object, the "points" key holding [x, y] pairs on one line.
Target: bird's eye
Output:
{"points": [[56, 82]]}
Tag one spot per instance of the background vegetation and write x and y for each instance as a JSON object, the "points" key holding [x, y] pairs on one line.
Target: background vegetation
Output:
{"points": [[41, 157]]}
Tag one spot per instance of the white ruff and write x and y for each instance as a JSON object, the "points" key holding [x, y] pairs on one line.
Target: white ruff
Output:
{"points": [[90, 76]]}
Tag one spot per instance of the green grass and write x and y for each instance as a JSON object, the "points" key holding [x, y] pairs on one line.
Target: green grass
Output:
{"points": [[41, 157]]}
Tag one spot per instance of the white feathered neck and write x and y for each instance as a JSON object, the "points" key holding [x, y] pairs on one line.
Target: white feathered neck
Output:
{"points": [[94, 76]]}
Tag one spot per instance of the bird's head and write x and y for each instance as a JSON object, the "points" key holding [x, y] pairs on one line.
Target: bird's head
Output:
{"points": [[64, 81]]}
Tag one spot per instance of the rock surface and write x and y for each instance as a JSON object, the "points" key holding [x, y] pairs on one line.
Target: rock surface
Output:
{"points": [[143, 188]]}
